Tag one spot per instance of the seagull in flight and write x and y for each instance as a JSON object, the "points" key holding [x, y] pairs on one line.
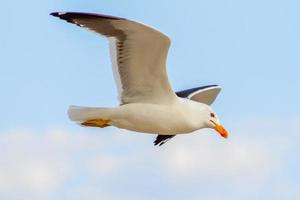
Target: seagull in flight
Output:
{"points": [[147, 102]]}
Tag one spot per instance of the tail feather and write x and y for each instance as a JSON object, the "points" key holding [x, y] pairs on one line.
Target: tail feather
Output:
{"points": [[81, 114]]}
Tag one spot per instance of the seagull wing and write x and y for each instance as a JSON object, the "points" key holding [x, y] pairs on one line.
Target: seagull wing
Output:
{"points": [[162, 139], [205, 94], [138, 55]]}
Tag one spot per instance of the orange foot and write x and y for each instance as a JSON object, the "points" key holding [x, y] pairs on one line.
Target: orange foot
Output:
{"points": [[96, 123]]}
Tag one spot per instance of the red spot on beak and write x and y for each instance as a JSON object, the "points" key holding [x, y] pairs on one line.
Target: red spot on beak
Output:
{"points": [[220, 129]]}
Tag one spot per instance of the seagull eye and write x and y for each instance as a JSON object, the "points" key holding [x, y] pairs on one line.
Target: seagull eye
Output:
{"points": [[212, 115]]}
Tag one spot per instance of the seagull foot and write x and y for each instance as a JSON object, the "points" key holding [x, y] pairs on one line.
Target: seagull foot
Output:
{"points": [[102, 123]]}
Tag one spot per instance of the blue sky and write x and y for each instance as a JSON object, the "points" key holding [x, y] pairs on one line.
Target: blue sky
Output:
{"points": [[250, 48]]}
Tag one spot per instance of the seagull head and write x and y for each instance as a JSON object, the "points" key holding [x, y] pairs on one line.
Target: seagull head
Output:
{"points": [[212, 121]]}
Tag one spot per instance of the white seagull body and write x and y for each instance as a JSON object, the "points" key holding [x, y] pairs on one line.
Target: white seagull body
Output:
{"points": [[148, 103]]}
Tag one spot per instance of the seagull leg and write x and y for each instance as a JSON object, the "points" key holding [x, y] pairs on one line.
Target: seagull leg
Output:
{"points": [[161, 139], [96, 123]]}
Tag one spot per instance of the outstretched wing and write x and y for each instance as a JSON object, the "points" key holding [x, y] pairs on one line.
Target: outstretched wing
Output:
{"points": [[205, 94], [138, 55]]}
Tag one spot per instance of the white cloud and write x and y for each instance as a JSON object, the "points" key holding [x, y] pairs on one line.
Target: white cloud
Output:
{"points": [[217, 159], [60, 164], [29, 164], [103, 165]]}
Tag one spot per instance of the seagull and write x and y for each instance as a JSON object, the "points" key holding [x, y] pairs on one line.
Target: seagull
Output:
{"points": [[147, 102]]}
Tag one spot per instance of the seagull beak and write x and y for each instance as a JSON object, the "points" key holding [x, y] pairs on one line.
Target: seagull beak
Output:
{"points": [[220, 129]]}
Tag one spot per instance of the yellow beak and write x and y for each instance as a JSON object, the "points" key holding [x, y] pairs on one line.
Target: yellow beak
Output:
{"points": [[221, 130]]}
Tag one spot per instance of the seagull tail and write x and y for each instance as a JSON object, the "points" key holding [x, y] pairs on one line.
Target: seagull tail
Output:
{"points": [[81, 114]]}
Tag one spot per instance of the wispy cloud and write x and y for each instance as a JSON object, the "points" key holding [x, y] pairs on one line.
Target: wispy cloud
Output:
{"points": [[115, 164], [231, 158]]}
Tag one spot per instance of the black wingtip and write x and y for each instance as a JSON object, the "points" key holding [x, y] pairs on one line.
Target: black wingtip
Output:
{"points": [[159, 143], [70, 15], [55, 14], [185, 93], [162, 139], [156, 142]]}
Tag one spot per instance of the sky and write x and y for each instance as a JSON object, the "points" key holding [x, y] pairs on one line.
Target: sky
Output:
{"points": [[250, 48]]}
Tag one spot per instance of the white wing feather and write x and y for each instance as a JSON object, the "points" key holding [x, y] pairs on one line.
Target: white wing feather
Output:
{"points": [[138, 55]]}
